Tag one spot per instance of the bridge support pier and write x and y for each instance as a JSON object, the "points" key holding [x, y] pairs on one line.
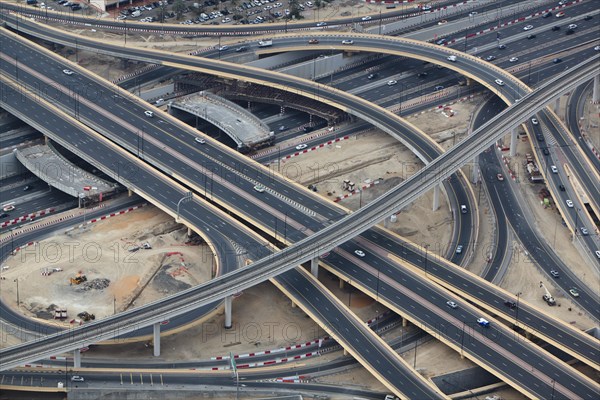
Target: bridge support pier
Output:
{"points": [[228, 311], [129, 192], [342, 284], [596, 90], [314, 267], [76, 358], [513, 142], [475, 170], [404, 322], [156, 338], [557, 104], [345, 352], [436, 197], [189, 232]]}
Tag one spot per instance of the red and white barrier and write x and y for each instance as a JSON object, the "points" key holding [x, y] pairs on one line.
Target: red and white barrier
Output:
{"points": [[105, 217], [27, 217], [274, 351]]}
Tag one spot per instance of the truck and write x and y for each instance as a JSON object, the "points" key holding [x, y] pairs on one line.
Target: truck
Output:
{"points": [[265, 43], [483, 322], [547, 296], [136, 14]]}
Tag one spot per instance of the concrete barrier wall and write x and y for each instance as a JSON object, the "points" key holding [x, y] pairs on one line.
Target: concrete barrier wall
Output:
{"points": [[157, 92], [10, 166]]}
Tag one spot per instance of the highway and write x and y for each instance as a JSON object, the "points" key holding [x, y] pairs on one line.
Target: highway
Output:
{"points": [[574, 118], [572, 77], [369, 349]]}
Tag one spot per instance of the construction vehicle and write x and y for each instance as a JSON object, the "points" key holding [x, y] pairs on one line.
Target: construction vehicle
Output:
{"points": [[79, 278], [86, 316], [547, 296]]}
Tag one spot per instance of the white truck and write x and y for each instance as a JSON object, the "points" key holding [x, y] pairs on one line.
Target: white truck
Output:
{"points": [[265, 43]]}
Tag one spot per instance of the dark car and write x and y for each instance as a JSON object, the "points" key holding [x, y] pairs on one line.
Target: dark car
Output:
{"points": [[531, 36], [422, 74], [372, 76], [510, 304], [3, 215], [557, 60], [546, 151], [569, 32], [561, 187], [556, 28], [307, 129], [502, 46], [540, 138], [587, 17], [547, 14]]}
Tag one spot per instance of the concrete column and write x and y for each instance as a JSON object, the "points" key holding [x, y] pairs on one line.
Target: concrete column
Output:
{"points": [[436, 197], [46, 139], [189, 232], [386, 222], [342, 284], [475, 170], [129, 192], [76, 359], [596, 90], [314, 267], [556, 104], [228, 310], [404, 322], [345, 352], [156, 331], [294, 305], [513, 142]]}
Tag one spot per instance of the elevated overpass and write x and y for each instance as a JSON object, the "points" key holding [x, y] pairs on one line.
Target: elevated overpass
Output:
{"points": [[318, 248]]}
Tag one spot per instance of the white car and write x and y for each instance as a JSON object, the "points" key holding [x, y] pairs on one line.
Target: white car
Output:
{"points": [[77, 378], [554, 169], [514, 59], [459, 249], [569, 203], [392, 83], [347, 41], [572, 26], [223, 48], [451, 58], [301, 146], [9, 207], [499, 82], [321, 23], [259, 188], [472, 13], [451, 304], [528, 27], [148, 114], [534, 121], [597, 48], [366, 18], [67, 72], [200, 140], [226, 20], [359, 253]]}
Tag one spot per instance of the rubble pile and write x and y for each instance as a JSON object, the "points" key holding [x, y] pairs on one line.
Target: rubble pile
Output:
{"points": [[95, 284]]}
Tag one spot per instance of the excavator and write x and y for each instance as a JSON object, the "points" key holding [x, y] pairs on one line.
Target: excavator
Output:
{"points": [[79, 278]]}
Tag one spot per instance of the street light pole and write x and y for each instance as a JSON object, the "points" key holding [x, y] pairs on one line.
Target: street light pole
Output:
{"points": [[18, 300], [517, 311]]}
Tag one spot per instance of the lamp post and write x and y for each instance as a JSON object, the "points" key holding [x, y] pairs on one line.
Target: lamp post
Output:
{"points": [[517, 311], [12, 240], [187, 197], [462, 340], [18, 300], [426, 257]]}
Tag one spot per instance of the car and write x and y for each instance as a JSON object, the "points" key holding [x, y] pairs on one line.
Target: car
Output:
{"points": [[392, 82], [259, 188], [313, 41], [569, 32], [572, 26], [347, 41], [77, 378], [574, 292], [554, 273], [442, 22], [513, 59], [510, 304], [500, 177], [483, 322], [547, 14], [557, 60], [451, 304], [322, 23], [561, 187], [560, 14], [502, 46], [425, 8], [68, 72], [463, 209], [148, 114], [441, 41], [223, 48], [554, 169], [241, 48], [26, 188], [587, 17], [534, 121], [555, 28], [281, 128], [540, 138], [372, 76], [499, 82], [490, 58], [597, 253], [472, 13], [225, 20], [451, 58], [584, 231], [569, 203], [301, 146], [422, 74], [200, 140], [359, 253], [366, 18], [459, 249], [9, 207], [532, 36], [597, 48], [307, 128], [3, 215], [438, 87], [546, 151], [527, 27]]}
